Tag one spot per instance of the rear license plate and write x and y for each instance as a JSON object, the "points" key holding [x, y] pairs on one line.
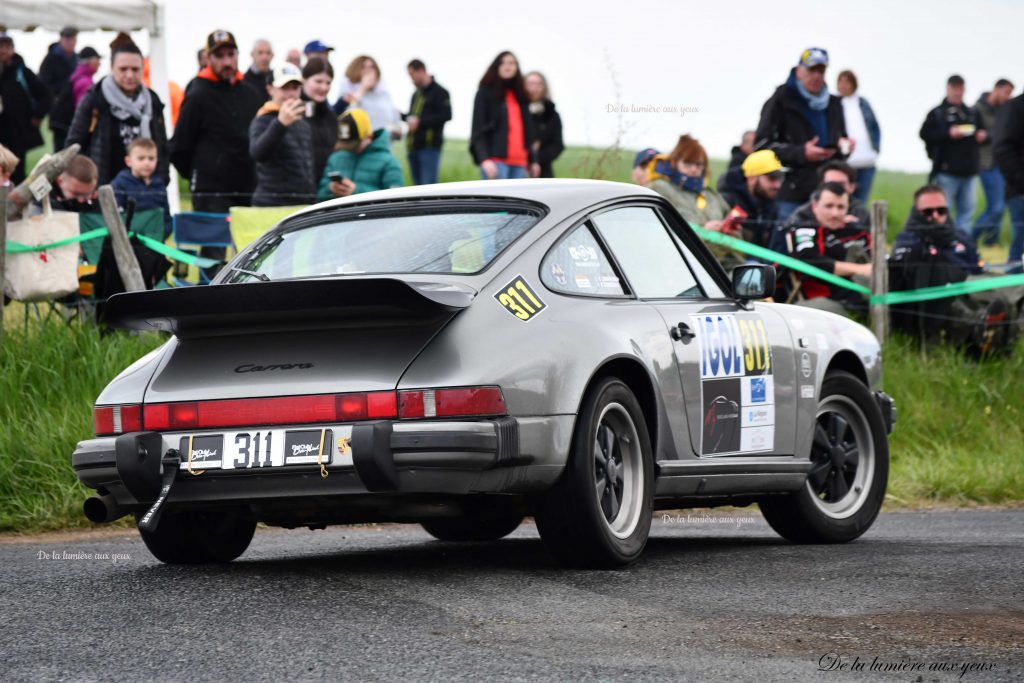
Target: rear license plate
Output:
{"points": [[266, 448]]}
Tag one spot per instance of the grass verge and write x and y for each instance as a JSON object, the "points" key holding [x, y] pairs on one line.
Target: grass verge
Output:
{"points": [[50, 374]]}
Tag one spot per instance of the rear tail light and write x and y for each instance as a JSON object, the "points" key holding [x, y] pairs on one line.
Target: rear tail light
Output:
{"points": [[244, 412], [108, 420], [457, 402], [374, 405]]}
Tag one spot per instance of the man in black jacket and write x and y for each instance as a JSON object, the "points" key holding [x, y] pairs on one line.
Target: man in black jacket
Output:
{"points": [[1009, 154], [56, 70], [805, 127], [952, 133], [430, 109], [211, 140], [25, 101], [259, 75]]}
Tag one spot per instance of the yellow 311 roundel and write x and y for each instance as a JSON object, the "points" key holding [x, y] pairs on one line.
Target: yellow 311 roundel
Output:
{"points": [[519, 299]]}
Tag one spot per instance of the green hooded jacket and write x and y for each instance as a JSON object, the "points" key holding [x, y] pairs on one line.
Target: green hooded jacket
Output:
{"points": [[375, 168]]}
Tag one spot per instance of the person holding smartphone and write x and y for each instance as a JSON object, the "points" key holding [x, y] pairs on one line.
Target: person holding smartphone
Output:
{"points": [[363, 161], [805, 126], [280, 142]]}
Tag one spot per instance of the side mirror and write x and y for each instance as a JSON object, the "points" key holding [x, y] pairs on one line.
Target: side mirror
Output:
{"points": [[753, 282]]}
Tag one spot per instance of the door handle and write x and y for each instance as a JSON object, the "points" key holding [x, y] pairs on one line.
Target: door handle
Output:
{"points": [[682, 332]]}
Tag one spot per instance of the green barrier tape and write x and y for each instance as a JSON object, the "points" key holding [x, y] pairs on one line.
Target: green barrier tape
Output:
{"points": [[953, 289], [18, 248], [155, 245], [775, 257], [175, 254], [902, 297]]}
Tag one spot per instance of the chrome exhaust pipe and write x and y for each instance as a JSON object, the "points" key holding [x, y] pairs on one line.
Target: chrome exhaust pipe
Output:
{"points": [[103, 509]]}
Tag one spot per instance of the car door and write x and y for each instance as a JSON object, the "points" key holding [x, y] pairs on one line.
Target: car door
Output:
{"points": [[578, 266], [735, 362]]}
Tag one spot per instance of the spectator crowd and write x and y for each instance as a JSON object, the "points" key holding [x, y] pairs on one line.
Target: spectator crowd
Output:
{"points": [[797, 183]]}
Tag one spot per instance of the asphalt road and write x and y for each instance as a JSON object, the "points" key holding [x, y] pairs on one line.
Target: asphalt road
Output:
{"points": [[715, 597]]}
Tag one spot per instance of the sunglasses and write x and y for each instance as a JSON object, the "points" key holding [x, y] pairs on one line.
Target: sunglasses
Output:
{"points": [[935, 211]]}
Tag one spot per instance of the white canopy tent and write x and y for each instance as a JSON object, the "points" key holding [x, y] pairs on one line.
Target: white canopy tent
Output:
{"points": [[103, 15]]}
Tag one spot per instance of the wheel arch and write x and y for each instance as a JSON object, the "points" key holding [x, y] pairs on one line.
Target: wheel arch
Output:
{"points": [[638, 378], [847, 361]]}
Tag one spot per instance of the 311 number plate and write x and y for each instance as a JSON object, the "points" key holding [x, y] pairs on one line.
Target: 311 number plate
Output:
{"points": [[266, 448]]}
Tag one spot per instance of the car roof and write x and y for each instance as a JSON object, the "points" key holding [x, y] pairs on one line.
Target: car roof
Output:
{"points": [[558, 194]]}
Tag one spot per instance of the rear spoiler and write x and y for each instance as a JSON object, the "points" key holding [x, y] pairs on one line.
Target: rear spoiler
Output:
{"points": [[213, 310]]}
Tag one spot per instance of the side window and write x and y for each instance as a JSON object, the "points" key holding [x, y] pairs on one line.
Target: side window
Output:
{"points": [[707, 283], [578, 265], [648, 255]]}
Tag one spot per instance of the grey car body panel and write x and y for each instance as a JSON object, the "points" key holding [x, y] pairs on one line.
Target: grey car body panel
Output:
{"points": [[542, 365]]}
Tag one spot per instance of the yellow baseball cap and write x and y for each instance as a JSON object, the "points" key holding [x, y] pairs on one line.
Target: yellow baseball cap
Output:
{"points": [[762, 162], [353, 125]]}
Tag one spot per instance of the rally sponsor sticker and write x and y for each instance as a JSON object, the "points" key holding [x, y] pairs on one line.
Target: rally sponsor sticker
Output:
{"points": [[203, 452], [520, 299], [308, 446], [737, 384]]}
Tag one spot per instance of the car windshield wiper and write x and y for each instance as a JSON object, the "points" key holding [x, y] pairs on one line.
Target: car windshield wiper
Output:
{"points": [[259, 276]]}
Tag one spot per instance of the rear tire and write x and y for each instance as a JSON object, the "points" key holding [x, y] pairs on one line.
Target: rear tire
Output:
{"points": [[846, 486], [598, 514], [199, 537], [478, 523]]}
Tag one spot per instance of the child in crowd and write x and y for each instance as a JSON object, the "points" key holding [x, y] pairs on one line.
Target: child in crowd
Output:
{"points": [[139, 181], [8, 162]]}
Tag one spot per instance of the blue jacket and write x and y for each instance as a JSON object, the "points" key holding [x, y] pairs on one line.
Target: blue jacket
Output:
{"points": [[152, 196], [872, 124]]}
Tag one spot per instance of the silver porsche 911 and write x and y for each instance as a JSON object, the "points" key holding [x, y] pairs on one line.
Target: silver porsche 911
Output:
{"points": [[466, 355]]}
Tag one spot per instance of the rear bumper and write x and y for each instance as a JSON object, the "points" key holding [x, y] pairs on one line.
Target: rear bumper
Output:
{"points": [[504, 455]]}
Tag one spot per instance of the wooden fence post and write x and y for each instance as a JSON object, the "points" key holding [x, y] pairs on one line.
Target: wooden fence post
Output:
{"points": [[127, 264], [879, 269]]}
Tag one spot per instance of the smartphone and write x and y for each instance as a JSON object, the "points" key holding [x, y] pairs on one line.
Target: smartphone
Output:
{"points": [[309, 109], [336, 177]]}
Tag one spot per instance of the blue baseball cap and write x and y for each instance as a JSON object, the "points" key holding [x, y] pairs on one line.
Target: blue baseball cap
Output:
{"points": [[644, 156], [316, 46], [813, 56]]}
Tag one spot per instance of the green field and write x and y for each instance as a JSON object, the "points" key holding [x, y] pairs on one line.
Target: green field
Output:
{"points": [[958, 440]]}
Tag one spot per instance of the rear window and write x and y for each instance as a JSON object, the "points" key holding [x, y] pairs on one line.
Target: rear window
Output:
{"points": [[427, 242]]}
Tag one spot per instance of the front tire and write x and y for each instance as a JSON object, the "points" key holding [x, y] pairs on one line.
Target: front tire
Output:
{"points": [[598, 514], [199, 537], [846, 485]]}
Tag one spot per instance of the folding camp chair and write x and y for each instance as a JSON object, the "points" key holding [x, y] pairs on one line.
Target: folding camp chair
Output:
{"points": [[198, 229]]}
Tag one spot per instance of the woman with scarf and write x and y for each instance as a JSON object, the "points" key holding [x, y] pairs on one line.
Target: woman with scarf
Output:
{"points": [[117, 110], [502, 132], [684, 179]]}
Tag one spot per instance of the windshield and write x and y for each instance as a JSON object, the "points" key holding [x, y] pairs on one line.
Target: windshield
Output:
{"points": [[428, 242]]}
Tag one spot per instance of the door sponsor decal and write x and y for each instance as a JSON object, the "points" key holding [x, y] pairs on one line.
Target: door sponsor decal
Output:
{"points": [[736, 382], [520, 299]]}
